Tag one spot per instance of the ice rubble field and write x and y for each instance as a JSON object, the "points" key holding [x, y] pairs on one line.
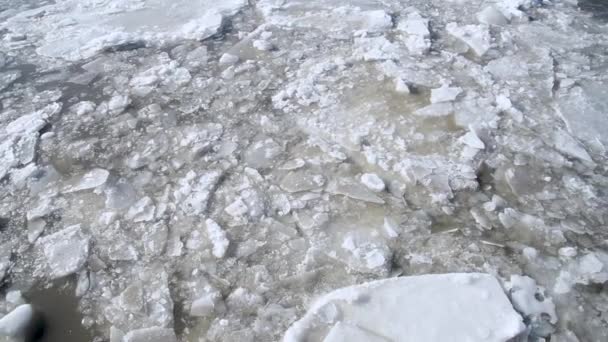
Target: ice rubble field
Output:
{"points": [[306, 170]]}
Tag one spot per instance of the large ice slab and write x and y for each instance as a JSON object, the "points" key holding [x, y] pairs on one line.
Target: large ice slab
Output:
{"points": [[584, 110], [440, 307], [76, 29], [330, 16]]}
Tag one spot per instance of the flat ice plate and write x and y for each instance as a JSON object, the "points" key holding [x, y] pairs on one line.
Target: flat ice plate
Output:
{"points": [[441, 307]]}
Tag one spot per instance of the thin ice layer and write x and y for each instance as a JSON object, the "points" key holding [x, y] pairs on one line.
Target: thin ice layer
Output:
{"points": [[441, 307]]}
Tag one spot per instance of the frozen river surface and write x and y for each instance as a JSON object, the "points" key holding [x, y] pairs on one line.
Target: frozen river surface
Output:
{"points": [[303, 170]]}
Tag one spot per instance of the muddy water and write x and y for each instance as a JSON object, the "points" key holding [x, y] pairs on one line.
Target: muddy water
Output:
{"points": [[62, 320]]}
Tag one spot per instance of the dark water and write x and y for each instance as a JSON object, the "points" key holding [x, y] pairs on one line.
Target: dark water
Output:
{"points": [[59, 309], [599, 8]]}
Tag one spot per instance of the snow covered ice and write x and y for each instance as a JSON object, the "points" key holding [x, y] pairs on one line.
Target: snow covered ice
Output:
{"points": [[461, 307], [306, 170]]}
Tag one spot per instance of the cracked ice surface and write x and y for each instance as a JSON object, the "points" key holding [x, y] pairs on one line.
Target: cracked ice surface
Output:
{"points": [[213, 170]]}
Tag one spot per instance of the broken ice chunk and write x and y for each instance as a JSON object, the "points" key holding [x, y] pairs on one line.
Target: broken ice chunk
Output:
{"points": [[481, 219], [122, 251], [167, 74], [198, 194], [154, 334], [19, 177], [509, 218], [521, 181], [263, 45], [142, 210], [530, 299], [417, 33], [66, 251], [591, 268], [471, 139], [401, 86], [228, 59], [131, 299], [237, 208], [118, 104], [202, 307], [7, 157], [566, 144], [436, 110], [373, 182], [391, 227], [32, 122], [261, 154], [375, 21], [35, 228], [445, 94], [293, 164], [439, 307], [243, 300], [155, 238], [301, 181], [7, 78], [206, 304], [353, 190], [375, 49], [492, 16], [477, 37], [120, 196], [583, 109], [83, 108], [15, 324], [218, 238], [567, 252], [365, 255], [89, 180], [25, 148], [116, 335], [82, 283]]}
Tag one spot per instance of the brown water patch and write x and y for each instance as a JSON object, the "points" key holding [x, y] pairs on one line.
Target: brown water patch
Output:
{"points": [[59, 308]]}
